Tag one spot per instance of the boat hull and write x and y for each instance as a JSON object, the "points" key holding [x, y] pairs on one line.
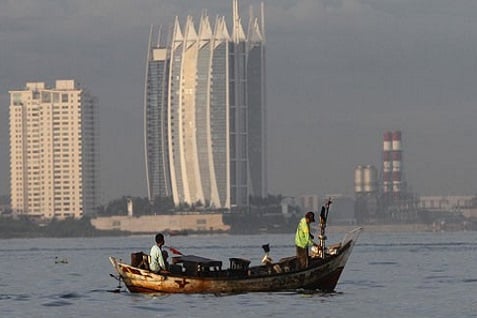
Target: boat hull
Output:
{"points": [[322, 274]]}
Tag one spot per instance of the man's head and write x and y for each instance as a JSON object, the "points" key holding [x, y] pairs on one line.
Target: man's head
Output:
{"points": [[160, 239], [310, 217]]}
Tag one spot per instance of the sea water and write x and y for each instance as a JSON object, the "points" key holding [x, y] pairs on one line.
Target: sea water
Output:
{"points": [[387, 275]]}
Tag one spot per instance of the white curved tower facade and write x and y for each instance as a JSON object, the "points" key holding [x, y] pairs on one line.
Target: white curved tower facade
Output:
{"points": [[205, 113]]}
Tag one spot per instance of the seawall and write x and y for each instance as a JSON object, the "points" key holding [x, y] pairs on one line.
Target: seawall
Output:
{"points": [[163, 223]]}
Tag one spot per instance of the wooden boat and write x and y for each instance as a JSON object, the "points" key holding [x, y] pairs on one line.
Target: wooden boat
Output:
{"points": [[195, 274]]}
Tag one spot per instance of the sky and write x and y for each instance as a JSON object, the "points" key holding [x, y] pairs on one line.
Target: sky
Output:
{"points": [[339, 74]]}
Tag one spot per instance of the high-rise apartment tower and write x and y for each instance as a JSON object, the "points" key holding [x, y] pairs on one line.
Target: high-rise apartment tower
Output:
{"points": [[205, 112], [53, 151]]}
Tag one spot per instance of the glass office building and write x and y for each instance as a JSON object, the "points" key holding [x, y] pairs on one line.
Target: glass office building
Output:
{"points": [[205, 112]]}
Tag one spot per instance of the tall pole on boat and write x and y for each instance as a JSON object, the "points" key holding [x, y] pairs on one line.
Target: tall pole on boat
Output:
{"points": [[325, 209]]}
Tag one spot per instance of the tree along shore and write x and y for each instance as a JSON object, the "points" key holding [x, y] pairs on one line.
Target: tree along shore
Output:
{"points": [[25, 228]]}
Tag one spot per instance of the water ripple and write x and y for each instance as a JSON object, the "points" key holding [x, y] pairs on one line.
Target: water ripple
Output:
{"points": [[70, 296], [470, 280], [19, 297], [383, 263], [57, 303]]}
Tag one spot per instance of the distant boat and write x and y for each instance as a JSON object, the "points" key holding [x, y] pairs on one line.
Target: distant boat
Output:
{"points": [[194, 274], [61, 260], [177, 232]]}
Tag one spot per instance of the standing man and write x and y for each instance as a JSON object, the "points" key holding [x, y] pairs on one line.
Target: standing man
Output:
{"points": [[303, 240], [157, 262]]}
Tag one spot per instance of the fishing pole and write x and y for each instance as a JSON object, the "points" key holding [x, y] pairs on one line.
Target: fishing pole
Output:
{"points": [[174, 250], [325, 209]]}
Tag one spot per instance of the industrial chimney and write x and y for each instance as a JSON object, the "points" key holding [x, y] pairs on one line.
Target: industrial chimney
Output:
{"points": [[397, 164], [392, 177], [387, 162]]}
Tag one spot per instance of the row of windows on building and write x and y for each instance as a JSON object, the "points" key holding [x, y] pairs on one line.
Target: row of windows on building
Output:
{"points": [[65, 185], [46, 97]]}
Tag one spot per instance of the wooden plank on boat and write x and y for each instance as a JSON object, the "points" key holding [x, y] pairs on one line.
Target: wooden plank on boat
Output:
{"points": [[195, 264]]}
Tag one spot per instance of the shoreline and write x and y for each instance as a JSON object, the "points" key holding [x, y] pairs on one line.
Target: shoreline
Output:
{"points": [[385, 228]]}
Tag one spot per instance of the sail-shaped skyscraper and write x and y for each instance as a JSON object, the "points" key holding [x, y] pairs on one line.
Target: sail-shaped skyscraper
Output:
{"points": [[204, 111]]}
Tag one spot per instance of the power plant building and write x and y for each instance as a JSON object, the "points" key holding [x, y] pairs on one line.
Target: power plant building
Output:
{"points": [[53, 151], [385, 198], [366, 179], [366, 188], [204, 112]]}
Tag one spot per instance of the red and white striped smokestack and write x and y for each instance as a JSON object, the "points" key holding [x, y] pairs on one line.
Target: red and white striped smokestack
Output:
{"points": [[396, 136], [396, 161], [387, 161], [387, 141]]}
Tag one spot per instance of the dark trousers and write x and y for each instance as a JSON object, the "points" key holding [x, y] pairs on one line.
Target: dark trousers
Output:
{"points": [[301, 257]]}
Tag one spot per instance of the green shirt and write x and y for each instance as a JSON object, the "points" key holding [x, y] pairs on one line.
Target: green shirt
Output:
{"points": [[302, 237], [157, 260]]}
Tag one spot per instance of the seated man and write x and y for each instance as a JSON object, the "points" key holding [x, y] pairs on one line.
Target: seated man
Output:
{"points": [[157, 263]]}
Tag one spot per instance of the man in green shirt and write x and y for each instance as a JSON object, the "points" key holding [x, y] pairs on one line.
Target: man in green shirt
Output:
{"points": [[157, 262], [303, 240]]}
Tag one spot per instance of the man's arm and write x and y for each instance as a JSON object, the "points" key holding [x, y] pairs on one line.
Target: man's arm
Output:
{"points": [[162, 264]]}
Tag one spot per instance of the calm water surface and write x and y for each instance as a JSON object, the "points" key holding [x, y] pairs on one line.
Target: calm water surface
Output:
{"points": [[388, 275]]}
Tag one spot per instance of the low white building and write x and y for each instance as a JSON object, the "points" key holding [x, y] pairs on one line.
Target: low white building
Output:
{"points": [[450, 203]]}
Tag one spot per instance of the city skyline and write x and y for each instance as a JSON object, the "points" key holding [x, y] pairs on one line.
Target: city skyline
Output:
{"points": [[338, 75], [205, 112]]}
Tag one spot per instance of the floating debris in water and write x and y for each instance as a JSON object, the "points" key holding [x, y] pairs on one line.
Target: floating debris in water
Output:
{"points": [[61, 260]]}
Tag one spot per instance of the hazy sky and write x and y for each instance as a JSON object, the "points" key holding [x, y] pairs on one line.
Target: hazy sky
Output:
{"points": [[340, 73]]}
